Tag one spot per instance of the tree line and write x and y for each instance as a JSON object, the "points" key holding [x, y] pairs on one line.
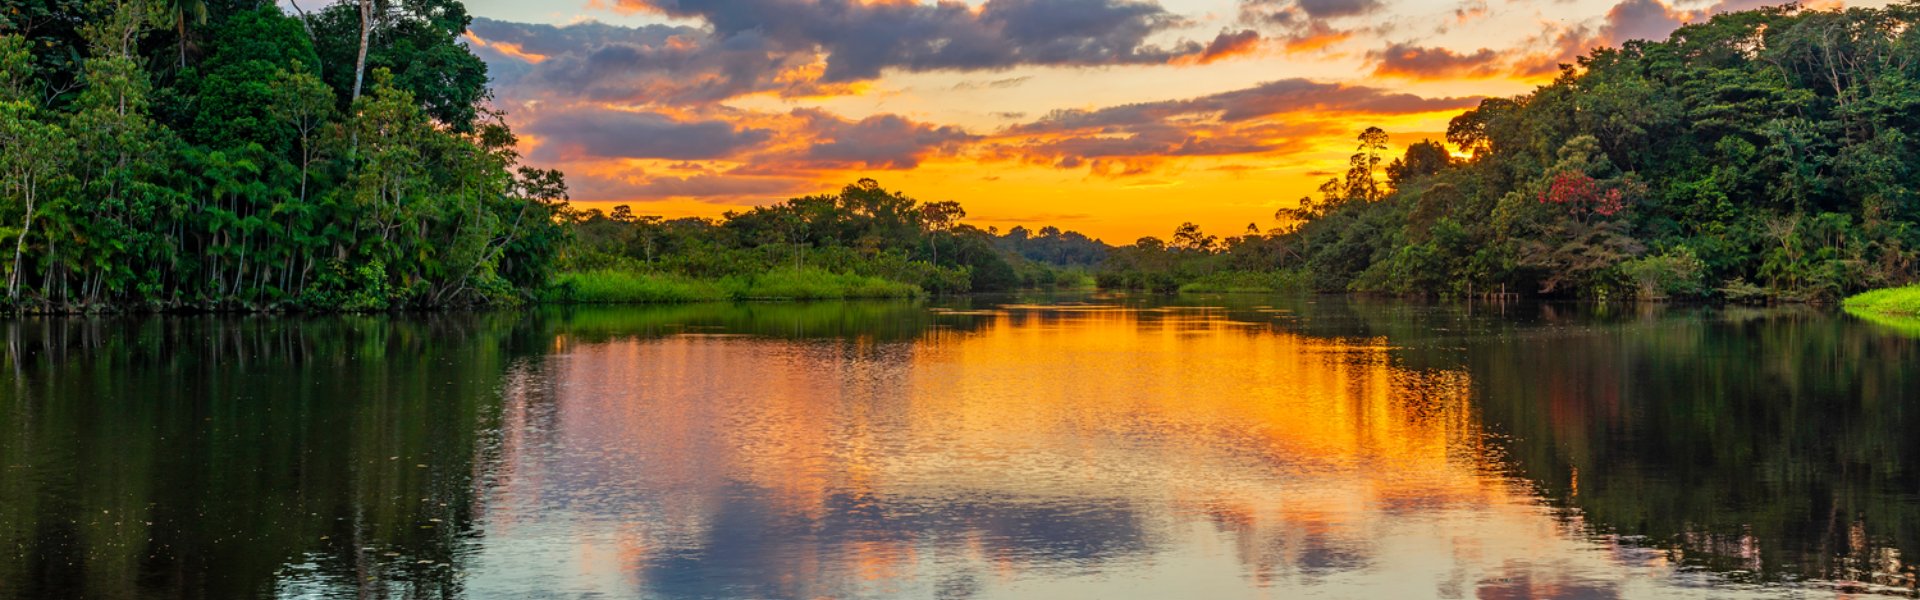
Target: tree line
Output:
{"points": [[863, 229], [222, 154]]}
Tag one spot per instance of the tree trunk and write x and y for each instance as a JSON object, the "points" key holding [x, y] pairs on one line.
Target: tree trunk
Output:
{"points": [[20, 246], [360, 64], [180, 27]]}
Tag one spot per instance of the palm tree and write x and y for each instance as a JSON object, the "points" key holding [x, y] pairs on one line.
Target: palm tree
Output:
{"points": [[182, 9]]}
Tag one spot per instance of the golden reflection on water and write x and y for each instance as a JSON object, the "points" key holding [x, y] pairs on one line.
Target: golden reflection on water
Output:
{"points": [[1054, 452]]}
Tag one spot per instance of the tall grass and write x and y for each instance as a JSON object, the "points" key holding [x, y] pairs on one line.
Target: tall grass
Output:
{"points": [[813, 284], [1894, 307], [1247, 282], [612, 286]]}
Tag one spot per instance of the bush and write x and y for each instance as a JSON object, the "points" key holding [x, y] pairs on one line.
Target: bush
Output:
{"points": [[1249, 282], [627, 287], [814, 284], [631, 287], [1675, 273]]}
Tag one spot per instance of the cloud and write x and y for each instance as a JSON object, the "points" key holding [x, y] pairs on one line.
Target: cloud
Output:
{"points": [[1272, 118], [996, 84], [655, 64], [1314, 36], [603, 133], [858, 40], [718, 188], [876, 142], [1416, 62], [1641, 20], [1227, 45], [1291, 12], [1273, 98]]}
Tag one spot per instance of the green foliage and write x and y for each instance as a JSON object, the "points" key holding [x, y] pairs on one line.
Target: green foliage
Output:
{"points": [[1766, 155], [813, 284], [1677, 273], [838, 244], [612, 286], [1244, 282], [608, 286], [239, 179], [1898, 308]]}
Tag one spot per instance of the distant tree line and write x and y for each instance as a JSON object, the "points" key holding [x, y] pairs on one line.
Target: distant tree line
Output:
{"points": [[863, 229]]}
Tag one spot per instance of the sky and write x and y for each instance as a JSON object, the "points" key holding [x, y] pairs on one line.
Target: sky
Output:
{"points": [[1116, 118]]}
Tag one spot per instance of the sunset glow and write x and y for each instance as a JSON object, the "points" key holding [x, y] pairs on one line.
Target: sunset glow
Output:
{"points": [[1118, 118]]}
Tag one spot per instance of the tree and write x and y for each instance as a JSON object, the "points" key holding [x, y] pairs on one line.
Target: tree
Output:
{"points": [[366, 30], [183, 10], [1188, 238], [1360, 183], [304, 103], [31, 153], [1424, 158], [940, 217]]}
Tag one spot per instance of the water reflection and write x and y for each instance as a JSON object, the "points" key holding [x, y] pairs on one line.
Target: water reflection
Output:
{"points": [[981, 448]]}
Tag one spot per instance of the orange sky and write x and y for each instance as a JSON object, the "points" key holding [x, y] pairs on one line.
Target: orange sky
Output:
{"points": [[1117, 118]]}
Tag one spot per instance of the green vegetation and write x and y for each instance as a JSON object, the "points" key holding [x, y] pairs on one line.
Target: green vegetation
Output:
{"points": [[1246, 282], [1895, 307], [226, 156], [863, 242], [1761, 156], [612, 286]]}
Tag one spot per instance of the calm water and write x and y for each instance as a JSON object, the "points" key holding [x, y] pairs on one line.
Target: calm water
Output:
{"points": [[1242, 447]]}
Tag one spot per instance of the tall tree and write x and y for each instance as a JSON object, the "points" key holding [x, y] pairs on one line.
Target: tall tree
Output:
{"points": [[182, 10], [31, 153], [366, 29]]}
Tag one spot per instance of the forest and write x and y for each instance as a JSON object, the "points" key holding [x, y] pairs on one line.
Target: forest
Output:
{"points": [[1762, 156], [223, 155], [228, 155]]}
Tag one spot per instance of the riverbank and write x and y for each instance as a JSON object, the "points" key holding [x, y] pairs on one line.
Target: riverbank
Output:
{"points": [[1249, 282], [1893, 307], [609, 286]]}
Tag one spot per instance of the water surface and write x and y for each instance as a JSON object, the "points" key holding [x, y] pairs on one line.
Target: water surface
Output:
{"points": [[1086, 447]]}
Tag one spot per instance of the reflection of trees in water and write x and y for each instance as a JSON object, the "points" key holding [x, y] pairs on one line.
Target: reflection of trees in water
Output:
{"points": [[230, 457], [223, 457], [872, 320], [1760, 444]]}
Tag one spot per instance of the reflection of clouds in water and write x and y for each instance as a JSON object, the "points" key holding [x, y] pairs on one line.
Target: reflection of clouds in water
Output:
{"points": [[756, 548], [1088, 451]]}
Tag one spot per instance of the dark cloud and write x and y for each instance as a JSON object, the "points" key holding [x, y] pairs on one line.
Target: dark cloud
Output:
{"points": [[876, 142], [1312, 36], [1641, 20], [1229, 44], [1404, 60], [859, 40], [1274, 117], [1292, 13], [647, 64], [1264, 100], [600, 133]]}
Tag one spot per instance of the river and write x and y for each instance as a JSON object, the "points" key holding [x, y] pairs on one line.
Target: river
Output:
{"points": [[1079, 446]]}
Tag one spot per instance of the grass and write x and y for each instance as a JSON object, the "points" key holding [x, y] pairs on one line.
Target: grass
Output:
{"points": [[610, 286], [1247, 282], [1894, 307]]}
